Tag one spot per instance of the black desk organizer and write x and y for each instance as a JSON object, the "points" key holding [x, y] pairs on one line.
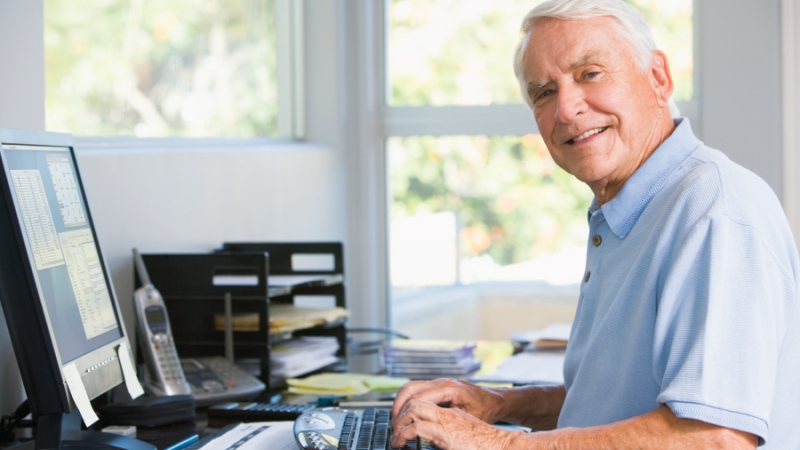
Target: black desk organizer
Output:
{"points": [[328, 282], [192, 300]]}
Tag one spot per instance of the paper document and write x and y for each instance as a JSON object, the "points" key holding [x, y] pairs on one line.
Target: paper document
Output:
{"points": [[79, 395], [69, 199], [38, 221], [346, 384], [528, 367], [293, 280], [128, 371], [553, 332], [556, 332], [88, 282], [256, 436]]}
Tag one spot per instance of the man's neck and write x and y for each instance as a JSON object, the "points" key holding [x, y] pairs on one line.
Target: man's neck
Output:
{"points": [[609, 188]]}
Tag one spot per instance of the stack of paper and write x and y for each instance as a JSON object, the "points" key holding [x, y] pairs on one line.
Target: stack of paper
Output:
{"points": [[287, 318], [302, 355], [426, 360], [344, 384], [554, 337]]}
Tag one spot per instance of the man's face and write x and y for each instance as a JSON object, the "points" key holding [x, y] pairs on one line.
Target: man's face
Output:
{"points": [[599, 114]]}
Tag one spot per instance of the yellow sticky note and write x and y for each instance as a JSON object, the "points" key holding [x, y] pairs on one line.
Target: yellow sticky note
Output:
{"points": [[333, 382], [382, 383]]}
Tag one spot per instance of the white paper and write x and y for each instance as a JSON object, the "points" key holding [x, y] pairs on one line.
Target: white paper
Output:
{"points": [[529, 367], [128, 371], [525, 336], [38, 221], [293, 280], [556, 332], [88, 282], [256, 436], [315, 301], [69, 199], [313, 262], [79, 395], [234, 280]]}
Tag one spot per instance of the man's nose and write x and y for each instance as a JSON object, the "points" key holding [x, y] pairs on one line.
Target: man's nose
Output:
{"points": [[571, 103]]}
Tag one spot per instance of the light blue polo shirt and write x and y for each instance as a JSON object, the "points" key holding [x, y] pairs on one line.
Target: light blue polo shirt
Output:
{"points": [[689, 299]]}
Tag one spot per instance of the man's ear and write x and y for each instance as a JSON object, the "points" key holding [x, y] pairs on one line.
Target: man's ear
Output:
{"points": [[661, 78]]}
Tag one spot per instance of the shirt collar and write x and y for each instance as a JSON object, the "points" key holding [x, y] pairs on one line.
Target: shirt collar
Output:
{"points": [[622, 211]]}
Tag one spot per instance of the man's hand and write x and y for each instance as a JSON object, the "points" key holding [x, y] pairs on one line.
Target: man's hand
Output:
{"points": [[446, 428], [480, 402]]}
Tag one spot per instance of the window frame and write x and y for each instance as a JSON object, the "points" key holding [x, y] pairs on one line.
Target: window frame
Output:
{"points": [[495, 119], [791, 112]]}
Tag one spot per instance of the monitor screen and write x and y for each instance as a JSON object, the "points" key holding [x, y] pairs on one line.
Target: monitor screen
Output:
{"points": [[66, 265]]}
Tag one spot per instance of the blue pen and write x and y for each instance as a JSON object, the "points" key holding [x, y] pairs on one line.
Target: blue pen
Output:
{"points": [[184, 443]]}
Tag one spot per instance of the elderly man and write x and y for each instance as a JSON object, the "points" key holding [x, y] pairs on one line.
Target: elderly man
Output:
{"points": [[686, 333]]}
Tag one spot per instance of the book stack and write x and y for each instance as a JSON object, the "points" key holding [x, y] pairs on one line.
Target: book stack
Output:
{"points": [[427, 360], [301, 355]]}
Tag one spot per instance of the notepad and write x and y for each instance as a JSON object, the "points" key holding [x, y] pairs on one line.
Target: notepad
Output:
{"points": [[344, 384]]}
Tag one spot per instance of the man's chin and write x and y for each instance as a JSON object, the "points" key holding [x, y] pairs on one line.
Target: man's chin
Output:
{"points": [[590, 174]]}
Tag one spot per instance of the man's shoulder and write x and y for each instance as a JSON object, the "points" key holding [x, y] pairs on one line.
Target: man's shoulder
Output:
{"points": [[709, 177], [711, 189]]}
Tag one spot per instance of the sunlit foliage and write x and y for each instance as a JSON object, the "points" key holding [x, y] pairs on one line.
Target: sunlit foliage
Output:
{"points": [[459, 52], [513, 202], [155, 68]]}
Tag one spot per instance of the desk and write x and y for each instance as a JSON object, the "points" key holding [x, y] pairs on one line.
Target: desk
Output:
{"points": [[163, 437]]}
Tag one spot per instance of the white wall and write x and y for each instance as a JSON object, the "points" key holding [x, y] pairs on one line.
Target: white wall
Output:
{"points": [[21, 106], [741, 93]]}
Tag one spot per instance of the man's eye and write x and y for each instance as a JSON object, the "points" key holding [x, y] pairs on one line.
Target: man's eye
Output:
{"points": [[592, 74], [544, 94]]}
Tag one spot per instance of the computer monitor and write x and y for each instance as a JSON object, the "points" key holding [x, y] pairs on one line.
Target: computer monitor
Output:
{"points": [[55, 289]]}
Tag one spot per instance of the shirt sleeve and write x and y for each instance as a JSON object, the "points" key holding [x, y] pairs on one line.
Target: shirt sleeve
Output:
{"points": [[723, 309]]}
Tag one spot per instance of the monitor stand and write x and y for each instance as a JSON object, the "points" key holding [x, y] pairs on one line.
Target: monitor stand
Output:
{"points": [[64, 431]]}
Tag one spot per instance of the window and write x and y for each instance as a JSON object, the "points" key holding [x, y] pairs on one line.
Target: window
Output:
{"points": [[191, 68], [482, 221]]}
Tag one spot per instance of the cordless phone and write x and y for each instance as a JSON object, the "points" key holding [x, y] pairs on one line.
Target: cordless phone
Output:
{"points": [[155, 338], [209, 379]]}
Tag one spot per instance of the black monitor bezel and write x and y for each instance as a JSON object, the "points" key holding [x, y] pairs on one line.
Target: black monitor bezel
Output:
{"points": [[39, 362]]}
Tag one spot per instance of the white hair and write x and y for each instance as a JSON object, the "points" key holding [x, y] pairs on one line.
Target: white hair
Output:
{"points": [[630, 25]]}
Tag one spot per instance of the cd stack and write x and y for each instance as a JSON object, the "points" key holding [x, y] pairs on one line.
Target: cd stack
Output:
{"points": [[426, 360]]}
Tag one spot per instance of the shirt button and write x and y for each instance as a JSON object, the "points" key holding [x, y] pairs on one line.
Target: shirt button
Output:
{"points": [[586, 278], [597, 240]]}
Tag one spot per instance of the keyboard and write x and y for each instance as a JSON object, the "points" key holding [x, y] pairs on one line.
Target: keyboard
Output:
{"points": [[254, 412], [341, 429]]}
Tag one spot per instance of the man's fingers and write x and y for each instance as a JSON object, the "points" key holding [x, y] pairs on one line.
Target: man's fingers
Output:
{"points": [[440, 391], [424, 430], [406, 392], [413, 411], [417, 419]]}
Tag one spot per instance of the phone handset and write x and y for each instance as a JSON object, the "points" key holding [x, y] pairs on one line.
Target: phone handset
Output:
{"points": [[155, 337]]}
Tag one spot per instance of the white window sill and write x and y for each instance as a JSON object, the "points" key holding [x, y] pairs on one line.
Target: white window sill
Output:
{"points": [[134, 145]]}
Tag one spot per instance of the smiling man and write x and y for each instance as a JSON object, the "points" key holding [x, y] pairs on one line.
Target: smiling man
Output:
{"points": [[687, 333]]}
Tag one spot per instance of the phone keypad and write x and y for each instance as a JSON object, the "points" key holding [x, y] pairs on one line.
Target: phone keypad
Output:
{"points": [[168, 361]]}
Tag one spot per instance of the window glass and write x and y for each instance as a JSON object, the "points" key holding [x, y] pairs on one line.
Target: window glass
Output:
{"points": [[475, 208], [149, 68], [459, 52], [672, 27]]}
